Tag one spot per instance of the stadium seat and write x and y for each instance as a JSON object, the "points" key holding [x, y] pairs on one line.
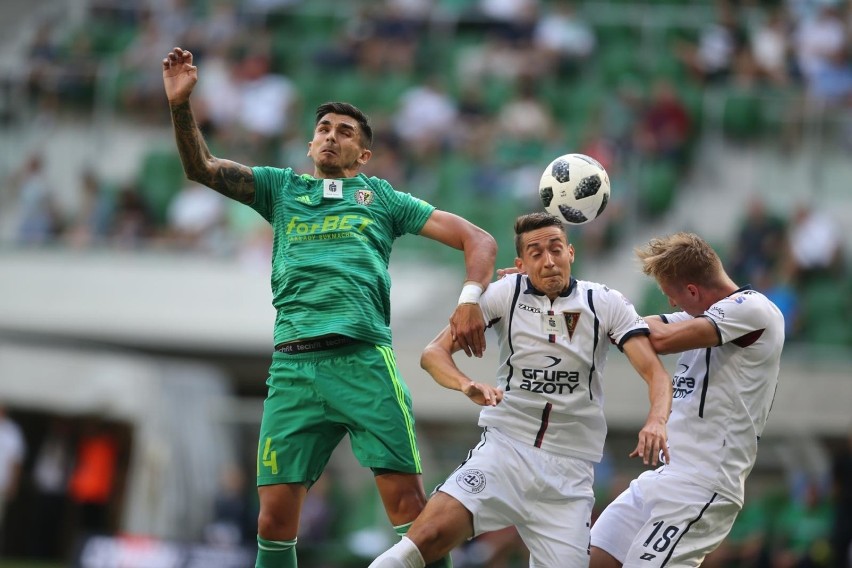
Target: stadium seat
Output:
{"points": [[742, 116], [657, 184], [825, 312], [160, 177]]}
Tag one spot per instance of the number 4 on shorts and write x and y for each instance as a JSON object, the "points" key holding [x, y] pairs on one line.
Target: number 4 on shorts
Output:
{"points": [[270, 457]]}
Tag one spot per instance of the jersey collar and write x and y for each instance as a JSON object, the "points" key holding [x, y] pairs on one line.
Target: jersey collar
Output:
{"points": [[572, 283]]}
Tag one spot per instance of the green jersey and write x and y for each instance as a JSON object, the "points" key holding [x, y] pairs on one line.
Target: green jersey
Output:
{"points": [[331, 247]]}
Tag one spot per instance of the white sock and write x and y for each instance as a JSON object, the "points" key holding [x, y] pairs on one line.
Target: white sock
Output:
{"points": [[403, 554]]}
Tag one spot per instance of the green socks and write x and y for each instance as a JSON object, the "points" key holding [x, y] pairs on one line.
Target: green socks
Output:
{"points": [[276, 553]]}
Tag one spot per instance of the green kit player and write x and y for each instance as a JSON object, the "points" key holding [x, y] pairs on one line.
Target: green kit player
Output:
{"points": [[333, 371]]}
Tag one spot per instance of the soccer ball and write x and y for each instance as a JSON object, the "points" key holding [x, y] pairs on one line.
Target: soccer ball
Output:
{"points": [[575, 188]]}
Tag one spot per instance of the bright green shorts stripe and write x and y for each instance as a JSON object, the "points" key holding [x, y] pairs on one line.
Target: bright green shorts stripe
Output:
{"points": [[390, 362]]}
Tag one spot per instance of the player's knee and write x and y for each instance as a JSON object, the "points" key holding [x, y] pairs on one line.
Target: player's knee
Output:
{"points": [[275, 525]]}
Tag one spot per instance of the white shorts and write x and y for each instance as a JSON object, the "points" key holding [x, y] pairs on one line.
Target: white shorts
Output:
{"points": [[547, 497], [663, 520]]}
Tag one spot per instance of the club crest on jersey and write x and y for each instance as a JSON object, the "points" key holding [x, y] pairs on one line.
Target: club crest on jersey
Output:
{"points": [[571, 319], [364, 196], [471, 480]]}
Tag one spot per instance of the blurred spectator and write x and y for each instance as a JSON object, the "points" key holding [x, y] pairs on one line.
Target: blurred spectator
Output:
{"points": [[759, 246], [497, 58], [93, 478], [525, 117], [141, 82], [196, 218], [771, 49], [820, 45], [218, 101], [133, 223], [778, 287], [37, 214], [563, 38], [426, 116], [664, 126], [268, 103], [233, 520], [92, 223], [391, 42], [513, 20], [803, 529], [12, 452], [720, 43], [816, 244], [841, 537], [51, 471]]}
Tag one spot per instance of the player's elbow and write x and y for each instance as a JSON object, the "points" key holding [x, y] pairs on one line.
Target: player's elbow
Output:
{"points": [[427, 357]]}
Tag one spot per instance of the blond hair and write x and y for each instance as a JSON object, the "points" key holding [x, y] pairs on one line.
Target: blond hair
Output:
{"points": [[681, 258]]}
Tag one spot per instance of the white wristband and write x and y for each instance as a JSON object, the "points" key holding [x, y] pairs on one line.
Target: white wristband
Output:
{"points": [[470, 293]]}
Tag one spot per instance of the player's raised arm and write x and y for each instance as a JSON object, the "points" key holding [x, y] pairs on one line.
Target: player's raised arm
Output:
{"points": [[228, 178], [437, 360], [652, 436], [467, 326]]}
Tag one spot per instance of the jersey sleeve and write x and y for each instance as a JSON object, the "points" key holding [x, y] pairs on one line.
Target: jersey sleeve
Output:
{"points": [[622, 320], [675, 317], [495, 301], [408, 212], [267, 181], [738, 315]]}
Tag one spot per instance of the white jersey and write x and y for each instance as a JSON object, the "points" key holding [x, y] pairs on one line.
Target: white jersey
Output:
{"points": [[552, 358], [722, 395]]}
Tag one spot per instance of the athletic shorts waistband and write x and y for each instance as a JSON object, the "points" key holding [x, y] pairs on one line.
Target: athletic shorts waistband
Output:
{"points": [[314, 344]]}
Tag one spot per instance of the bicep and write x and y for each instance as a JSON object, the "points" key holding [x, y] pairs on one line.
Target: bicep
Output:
{"points": [[447, 228], [233, 180]]}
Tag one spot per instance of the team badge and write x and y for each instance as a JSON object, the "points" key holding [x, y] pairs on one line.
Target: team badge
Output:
{"points": [[471, 480], [364, 196], [571, 319]]}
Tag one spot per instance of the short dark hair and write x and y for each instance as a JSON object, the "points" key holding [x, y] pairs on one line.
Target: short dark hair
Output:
{"points": [[347, 109], [533, 221]]}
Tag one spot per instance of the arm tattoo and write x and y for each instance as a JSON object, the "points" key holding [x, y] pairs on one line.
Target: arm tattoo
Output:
{"points": [[228, 178]]}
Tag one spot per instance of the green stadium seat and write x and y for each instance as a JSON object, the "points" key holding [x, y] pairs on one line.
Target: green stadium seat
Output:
{"points": [[656, 185], [160, 177], [825, 312], [742, 116]]}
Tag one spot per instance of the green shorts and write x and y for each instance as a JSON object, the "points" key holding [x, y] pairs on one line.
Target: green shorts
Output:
{"points": [[315, 398]]}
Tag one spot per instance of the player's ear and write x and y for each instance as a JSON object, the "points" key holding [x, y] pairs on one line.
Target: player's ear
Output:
{"points": [[519, 264], [365, 156], [570, 253], [309, 148]]}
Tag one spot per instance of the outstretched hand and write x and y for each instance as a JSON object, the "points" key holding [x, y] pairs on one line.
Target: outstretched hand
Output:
{"points": [[179, 75], [482, 394], [652, 440], [467, 326]]}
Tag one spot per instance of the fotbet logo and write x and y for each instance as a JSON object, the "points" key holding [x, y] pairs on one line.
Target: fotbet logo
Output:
{"points": [[471, 480]]}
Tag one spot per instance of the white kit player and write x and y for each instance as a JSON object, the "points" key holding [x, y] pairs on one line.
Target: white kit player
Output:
{"points": [[731, 340], [533, 468]]}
